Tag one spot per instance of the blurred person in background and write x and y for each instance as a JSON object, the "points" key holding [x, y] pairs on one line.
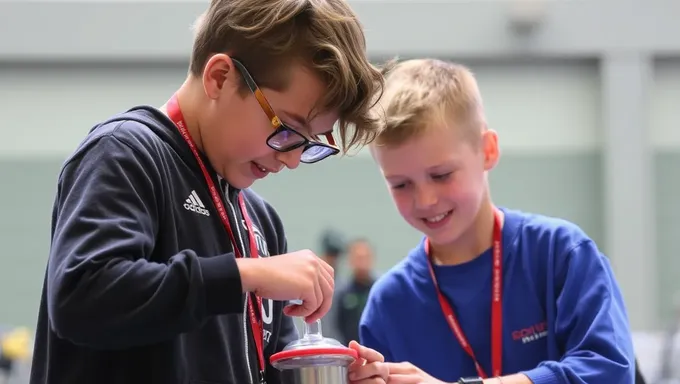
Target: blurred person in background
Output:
{"points": [[15, 346], [352, 296], [165, 267], [490, 295], [639, 377], [332, 247], [669, 372], [332, 250]]}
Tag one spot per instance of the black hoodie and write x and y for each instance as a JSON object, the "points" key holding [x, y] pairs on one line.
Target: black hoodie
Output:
{"points": [[141, 284]]}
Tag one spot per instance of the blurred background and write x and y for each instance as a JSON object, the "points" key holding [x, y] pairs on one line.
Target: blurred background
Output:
{"points": [[582, 93]]}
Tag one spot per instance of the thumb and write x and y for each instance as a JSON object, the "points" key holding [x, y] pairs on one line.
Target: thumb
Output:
{"points": [[359, 361], [295, 310], [354, 345], [368, 354]]}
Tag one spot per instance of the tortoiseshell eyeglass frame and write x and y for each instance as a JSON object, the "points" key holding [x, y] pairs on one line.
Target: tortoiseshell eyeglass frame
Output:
{"points": [[323, 150]]}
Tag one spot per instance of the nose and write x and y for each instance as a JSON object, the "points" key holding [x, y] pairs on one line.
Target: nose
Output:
{"points": [[425, 197], [290, 159]]}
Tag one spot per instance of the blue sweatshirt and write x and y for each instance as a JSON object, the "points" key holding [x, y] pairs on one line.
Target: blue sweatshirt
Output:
{"points": [[141, 284], [564, 320]]}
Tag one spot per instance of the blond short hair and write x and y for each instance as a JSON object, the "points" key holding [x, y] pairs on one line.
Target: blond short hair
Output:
{"points": [[422, 93], [269, 36]]}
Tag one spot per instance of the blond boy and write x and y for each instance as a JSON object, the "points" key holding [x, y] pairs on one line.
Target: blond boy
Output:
{"points": [[490, 295]]}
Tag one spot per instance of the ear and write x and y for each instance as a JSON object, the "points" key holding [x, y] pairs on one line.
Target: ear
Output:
{"points": [[491, 149], [219, 75]]}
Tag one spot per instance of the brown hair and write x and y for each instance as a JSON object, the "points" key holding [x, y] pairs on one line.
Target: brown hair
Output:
{"points": [[420, 93], [268, 36]]}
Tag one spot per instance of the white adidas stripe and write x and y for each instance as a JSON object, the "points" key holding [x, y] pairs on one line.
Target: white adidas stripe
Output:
{"points": [[198, 199]]}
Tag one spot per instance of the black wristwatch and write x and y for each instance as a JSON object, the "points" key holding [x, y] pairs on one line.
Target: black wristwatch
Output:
{"points": [[470, 380]]}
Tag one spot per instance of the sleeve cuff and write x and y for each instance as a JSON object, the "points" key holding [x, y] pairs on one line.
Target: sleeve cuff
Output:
{"points": [[222, 284], [541, 375]]}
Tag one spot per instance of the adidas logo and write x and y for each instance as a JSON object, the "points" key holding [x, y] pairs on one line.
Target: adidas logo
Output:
{"points": [[194, 203]]}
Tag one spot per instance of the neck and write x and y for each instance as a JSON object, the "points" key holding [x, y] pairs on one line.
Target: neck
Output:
{"points": [[471, 244], [189, 100]]}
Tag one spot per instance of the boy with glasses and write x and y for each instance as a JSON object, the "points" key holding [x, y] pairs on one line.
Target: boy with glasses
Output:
{"points": [[159, 268]]}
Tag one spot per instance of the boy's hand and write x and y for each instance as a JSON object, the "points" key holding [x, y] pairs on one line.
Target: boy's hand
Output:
{"points": [[370, 367], [299, 275], [407, 373]]}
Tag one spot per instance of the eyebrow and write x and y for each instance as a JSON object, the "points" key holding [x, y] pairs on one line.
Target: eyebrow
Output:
{"points": [[297, 118], [391, 178], [304, 122], [436, 168], [443, 167]]}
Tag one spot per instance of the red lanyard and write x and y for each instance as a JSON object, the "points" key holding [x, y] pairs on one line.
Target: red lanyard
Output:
{"points": [[175, 114], [496, 306]]}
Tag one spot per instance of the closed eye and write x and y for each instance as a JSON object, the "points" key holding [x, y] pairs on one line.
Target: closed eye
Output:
{"points": [[442, 177], [398, 186]]}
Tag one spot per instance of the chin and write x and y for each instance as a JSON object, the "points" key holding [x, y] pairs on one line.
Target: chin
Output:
{"points": [[443, 239], [242, 183], [238, 180]]}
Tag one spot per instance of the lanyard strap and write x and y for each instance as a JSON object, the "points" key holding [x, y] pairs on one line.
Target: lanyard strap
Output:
{"points": [[175, 114], [496, 306]]}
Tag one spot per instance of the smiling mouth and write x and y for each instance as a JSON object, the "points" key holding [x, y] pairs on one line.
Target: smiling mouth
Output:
{"points": [[264, 169], [438, 218]]}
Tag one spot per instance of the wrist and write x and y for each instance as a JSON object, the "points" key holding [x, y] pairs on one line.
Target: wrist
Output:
{"points": [[248, 269], [472, 380]]}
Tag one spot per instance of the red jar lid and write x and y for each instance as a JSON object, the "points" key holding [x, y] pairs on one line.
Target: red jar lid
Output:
{"points": [[313, 350]]}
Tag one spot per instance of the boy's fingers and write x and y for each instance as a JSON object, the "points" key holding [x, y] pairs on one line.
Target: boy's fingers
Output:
{"points": [[370, 355]]}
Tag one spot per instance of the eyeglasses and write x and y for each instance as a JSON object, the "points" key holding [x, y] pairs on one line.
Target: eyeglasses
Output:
{"points": [[285, 138]]}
